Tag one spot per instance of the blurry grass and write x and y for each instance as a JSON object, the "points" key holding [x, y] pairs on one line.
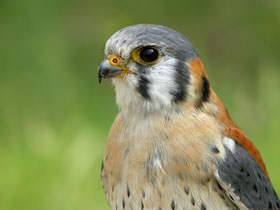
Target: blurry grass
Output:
{"points": [[54, 117]]}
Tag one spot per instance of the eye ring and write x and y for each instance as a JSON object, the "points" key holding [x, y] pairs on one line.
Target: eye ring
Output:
{"points": [[147, 55]]}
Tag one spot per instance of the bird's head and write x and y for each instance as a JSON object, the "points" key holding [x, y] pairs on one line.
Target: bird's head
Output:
{"points": [[153, 68]]}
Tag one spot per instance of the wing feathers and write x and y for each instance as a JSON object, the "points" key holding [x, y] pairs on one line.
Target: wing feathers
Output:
{"points": [[245, 182]]}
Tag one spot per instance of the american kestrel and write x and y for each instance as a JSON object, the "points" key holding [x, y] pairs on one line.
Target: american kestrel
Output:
{"points": [[173, 144]]}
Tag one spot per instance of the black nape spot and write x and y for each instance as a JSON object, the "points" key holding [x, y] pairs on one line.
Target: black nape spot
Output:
{"points": [[143, 87], [192, 201], [123, 204], [128, 191], [172, 205], [142, 205], [187, 190], [215, 149], [182, 79], [203, 207], [205, 90]]}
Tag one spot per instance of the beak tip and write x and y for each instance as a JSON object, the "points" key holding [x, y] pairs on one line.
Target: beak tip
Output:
{"points": [[106, 70], [99, 78]]}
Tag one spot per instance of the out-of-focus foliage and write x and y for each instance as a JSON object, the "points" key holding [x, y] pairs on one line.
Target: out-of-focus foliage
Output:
{"points": [[55, 118]]}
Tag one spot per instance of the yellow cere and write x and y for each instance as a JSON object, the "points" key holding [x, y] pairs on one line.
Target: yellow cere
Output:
{"points": [[114, 61]]}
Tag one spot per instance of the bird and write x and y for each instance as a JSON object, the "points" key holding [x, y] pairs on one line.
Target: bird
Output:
{"points": [[173, 144]]}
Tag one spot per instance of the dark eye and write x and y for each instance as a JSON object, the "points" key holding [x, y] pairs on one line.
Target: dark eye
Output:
{"points": [[148, 54]]}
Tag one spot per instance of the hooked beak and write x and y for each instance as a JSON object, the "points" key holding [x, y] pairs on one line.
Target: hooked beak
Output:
{"points": [[106, 70]]}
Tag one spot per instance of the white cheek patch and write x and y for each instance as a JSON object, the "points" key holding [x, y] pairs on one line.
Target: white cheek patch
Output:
{"points": [[162, 81], [229, 143]]}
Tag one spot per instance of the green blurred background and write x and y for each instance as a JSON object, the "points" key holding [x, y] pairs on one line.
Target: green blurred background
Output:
{"points": [[55, 117]]}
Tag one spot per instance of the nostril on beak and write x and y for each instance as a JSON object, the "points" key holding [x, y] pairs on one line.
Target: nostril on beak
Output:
{"points": [[106, 70]]}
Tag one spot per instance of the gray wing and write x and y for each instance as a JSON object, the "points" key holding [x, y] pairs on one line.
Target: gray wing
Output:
{"points": [[244, 182]]}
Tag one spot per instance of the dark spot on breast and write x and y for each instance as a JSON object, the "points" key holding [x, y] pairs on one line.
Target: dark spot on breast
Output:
{"points": [[113, 187], [172, 205], [143, 87], [143, 193], [128, 191], [206, 180], [181, 177], [159, 208], [159, 193], [126, 150], [203, 207], [269, 205], [215, 149], [187, 190], [247, 174], [278, 205], [142, 205], [205, 168], [192, 201], [241, 169], [123, 204], [222, 196]]}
